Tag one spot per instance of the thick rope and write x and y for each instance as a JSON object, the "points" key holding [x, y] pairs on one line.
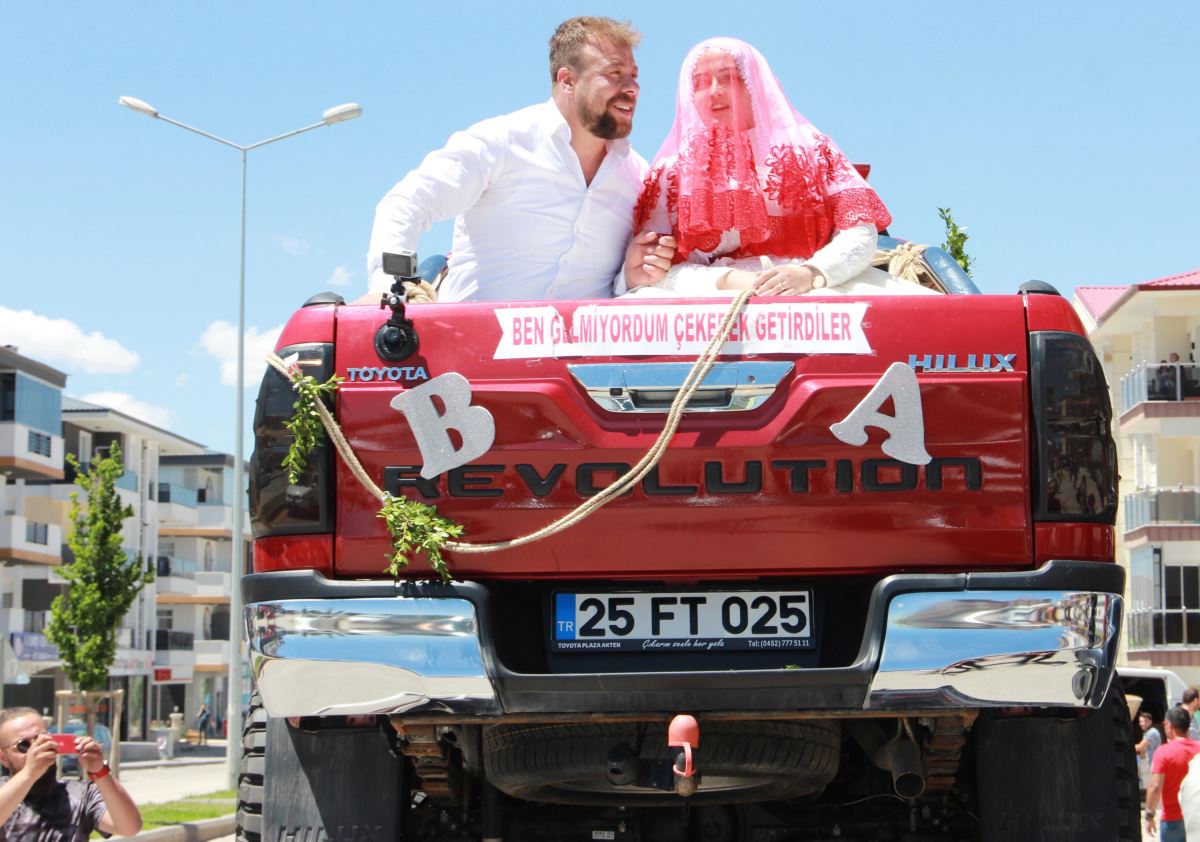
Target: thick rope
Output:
{"points": [[691, 383], [905, 261]]}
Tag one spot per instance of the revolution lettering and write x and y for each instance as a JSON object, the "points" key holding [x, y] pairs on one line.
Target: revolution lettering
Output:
{"points": [[779, 476]]}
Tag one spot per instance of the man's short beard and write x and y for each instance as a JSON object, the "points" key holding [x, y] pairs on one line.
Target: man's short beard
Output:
{"points": [[604, 125]]}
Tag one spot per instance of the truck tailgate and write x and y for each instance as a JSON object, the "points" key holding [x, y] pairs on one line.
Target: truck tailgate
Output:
{"points": [[765, 491]]}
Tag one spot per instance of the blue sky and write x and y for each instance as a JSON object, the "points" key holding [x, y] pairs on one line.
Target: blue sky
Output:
{"points": [[1063, 135]]}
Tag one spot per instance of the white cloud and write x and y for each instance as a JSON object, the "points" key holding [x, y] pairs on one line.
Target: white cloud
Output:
{"points": [[61, 341], [341, 277], [293, 245], [220, 341], [159, 416]]}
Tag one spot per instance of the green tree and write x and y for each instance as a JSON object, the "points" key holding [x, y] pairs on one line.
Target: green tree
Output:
{"points": [[956, 240], [104, 580]]}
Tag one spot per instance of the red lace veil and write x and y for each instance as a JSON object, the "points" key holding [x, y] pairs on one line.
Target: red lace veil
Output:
{"points": [[783, 185]]}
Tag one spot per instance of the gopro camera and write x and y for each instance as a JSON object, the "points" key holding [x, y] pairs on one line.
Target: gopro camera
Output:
{"points": [[402, 266]]}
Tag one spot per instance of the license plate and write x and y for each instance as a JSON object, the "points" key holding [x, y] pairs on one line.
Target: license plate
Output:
{"points": [[662, 622]]}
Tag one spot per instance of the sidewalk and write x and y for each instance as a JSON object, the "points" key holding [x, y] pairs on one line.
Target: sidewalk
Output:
{"points": [[201, 770], [185, 755]]}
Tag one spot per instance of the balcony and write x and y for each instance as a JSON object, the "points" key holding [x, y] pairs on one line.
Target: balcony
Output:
{"points": [[175, 576], [215, 516], [173, 648], [212, 653], [171, 567], [1163, 514], [28, 541], [213, 584], [1162, 399], [167, 640], [176, 505], [28, 453]]}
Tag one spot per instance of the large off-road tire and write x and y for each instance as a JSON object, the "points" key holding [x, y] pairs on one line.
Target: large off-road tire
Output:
{"points": [[250, 773], [738, 761], [1059, 779]]}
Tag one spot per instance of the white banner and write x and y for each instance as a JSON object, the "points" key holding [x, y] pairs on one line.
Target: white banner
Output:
{"points": [[681, 330]]}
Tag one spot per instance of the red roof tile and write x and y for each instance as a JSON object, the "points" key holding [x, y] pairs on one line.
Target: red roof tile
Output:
{"points": [[1097, 300], [1183, 279]]}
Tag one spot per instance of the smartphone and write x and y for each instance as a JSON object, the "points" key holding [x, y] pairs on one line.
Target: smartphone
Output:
{"points": [[65, 743]]}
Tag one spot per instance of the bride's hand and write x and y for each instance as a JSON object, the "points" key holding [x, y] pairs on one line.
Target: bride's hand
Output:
{"points": [[784, 280], [648, 258]]}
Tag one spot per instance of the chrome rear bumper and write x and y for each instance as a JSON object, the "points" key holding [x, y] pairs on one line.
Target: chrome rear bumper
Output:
{"points": [[932, 642], [997, 648], [325, 657]]}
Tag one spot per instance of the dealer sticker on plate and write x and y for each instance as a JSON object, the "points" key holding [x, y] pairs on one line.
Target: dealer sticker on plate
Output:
{"points": [[652, 622]]}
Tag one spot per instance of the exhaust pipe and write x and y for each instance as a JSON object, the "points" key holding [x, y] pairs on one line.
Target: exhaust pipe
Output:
{"points": [[900, 756]]}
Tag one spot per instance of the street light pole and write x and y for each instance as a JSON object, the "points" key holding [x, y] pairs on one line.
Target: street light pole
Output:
{"points": [[233, 720]]}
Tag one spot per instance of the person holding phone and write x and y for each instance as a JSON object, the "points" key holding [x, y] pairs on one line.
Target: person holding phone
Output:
{"points": [[35, 806]]}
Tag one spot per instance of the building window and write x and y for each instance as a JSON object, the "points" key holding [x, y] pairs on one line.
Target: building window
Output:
{"points": [[37, 533], [1174, 615], [30, 402], [39, 443]]}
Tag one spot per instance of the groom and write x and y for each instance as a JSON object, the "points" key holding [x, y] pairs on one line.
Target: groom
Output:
{"points": [[543, 197]]}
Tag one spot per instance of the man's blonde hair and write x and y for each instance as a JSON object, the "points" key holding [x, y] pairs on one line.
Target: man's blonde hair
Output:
{"points": [[9, 714], [567, 42]]}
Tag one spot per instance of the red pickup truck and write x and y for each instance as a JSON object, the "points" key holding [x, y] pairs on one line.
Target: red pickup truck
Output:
{"points": [[867, 593]]}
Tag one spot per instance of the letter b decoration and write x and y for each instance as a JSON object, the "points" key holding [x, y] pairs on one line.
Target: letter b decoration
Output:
{"points": [[431, 426]]}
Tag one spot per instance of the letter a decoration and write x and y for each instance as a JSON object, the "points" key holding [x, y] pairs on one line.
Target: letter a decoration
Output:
{"points": [[431, 426], [905, 429]]}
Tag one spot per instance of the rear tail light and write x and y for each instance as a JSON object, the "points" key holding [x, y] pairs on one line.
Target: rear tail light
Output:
{"points": [[1075, 457], [276, 506]]}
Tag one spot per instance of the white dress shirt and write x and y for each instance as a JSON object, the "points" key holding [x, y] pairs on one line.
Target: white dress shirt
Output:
{"points": [[528, 227]]}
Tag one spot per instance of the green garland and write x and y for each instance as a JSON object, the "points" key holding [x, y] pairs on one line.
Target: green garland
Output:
{"points": [[305, 423], [413, 526], [417, 526]]}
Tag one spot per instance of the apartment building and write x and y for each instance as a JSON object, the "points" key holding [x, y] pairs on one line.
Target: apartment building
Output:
{"points": [[173, 647], [31, 450], [195, 559], [1147, 335]]}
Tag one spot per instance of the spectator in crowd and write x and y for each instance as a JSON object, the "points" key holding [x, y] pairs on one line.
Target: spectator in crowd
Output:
{"points": [[1166, 775], [202, 721], [35, 806], [1191, 703], [1151, 740], [1168, 377]]}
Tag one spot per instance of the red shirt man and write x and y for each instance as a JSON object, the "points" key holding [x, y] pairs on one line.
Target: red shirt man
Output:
{"points": [[1167, 772]]}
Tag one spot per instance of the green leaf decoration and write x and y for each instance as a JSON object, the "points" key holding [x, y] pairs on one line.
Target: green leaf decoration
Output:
{"points": [[305, 423], [414, 527], [417, 527], [956, 240]]}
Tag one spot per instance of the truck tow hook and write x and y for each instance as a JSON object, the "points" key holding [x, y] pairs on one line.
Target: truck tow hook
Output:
{"points": [[683, 734]]}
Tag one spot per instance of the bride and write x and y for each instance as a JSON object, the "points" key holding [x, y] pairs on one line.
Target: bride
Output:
{"points": [[753, 194]]}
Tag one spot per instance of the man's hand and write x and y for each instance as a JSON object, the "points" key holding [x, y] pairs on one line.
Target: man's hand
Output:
{"points": [[784, 280], [91, 755], [1151, 827], [40, 757], [648, 258]]}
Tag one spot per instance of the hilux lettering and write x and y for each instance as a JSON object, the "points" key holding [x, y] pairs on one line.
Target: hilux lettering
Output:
{"points": [[974, 362], [795, 476]]}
